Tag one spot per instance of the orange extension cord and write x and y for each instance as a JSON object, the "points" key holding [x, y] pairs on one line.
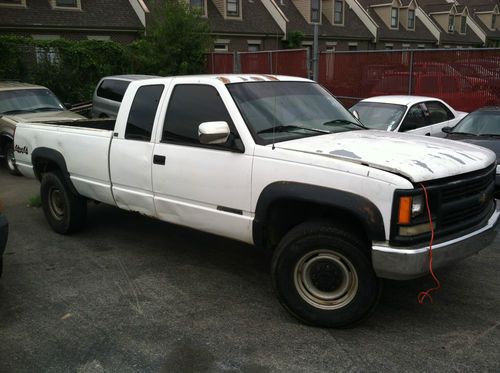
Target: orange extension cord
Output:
{"points": [[427, 294]]}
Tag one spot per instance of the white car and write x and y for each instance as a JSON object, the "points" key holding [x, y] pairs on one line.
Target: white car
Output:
{"points": [[416, 114]]}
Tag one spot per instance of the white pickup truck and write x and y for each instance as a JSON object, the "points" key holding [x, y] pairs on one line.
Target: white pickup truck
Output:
{"points": [[277, 162]]}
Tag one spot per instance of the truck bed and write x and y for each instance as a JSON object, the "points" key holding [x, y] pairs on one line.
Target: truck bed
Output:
{"points": [[98, 124], [85, 146]]}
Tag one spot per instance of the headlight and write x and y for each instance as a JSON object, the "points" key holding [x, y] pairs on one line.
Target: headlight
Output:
{"points": [[417, 206], [498, 168]]}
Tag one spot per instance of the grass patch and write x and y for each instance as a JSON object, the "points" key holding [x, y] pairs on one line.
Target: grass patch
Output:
{"points": [[35, 201]]}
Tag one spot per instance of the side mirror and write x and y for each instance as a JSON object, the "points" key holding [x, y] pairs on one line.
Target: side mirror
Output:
{"points": [[213, 133], [68, 105], [355, 114], [446, 129]]}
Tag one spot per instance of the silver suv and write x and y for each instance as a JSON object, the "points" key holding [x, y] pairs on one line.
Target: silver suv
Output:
{"points": [[109, 94]]}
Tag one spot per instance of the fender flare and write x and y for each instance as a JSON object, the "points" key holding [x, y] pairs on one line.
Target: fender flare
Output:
{"points": [[7, 135], [56, 157], [360, 207]]}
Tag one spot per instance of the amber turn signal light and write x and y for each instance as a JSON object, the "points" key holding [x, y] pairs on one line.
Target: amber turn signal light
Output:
{"points": [[404, 215]]}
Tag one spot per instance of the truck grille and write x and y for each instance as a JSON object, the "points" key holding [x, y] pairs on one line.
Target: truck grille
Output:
{"points": [[465, 202], [458, 204]]}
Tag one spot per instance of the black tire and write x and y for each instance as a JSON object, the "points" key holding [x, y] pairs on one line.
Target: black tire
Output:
{"points": [[323, 275], [9, 159], [65, 211]]}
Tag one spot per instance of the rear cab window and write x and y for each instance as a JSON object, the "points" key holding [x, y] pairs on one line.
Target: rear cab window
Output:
{"points": [[143, 112]]}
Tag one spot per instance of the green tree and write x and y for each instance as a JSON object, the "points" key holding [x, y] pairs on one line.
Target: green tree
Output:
{"points": [[176, 40], [294, 40]]}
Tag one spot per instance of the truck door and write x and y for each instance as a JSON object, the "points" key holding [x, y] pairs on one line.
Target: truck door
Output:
{"points": [[202, 186], [132, 151]]}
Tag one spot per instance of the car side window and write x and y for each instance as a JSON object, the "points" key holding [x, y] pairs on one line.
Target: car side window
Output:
{"points": [[438, 112], [112, 89], [415, 118], [142, 112], [189, 106]]}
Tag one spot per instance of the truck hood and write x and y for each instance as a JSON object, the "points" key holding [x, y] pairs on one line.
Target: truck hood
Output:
{"points": [[46, 116], [418, 158]]}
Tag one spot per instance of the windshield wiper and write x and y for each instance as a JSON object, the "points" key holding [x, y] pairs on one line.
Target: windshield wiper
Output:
{"points": [[462, 133], [46, 108], [489, 135], [344, 121], [17, 111], [289, 127]]}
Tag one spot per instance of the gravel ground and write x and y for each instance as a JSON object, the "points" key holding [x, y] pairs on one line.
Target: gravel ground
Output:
{"points": [[131, 294]]}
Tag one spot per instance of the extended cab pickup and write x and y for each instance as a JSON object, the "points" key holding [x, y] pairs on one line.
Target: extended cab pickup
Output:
{"points": [[277, 162]]}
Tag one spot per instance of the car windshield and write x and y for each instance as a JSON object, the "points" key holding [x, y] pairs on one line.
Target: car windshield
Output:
{"points": [[380, 116], [480, 123], [28, 101], [278, 111]]}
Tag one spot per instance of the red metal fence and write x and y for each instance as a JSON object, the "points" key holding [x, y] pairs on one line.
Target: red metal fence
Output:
{"points": [[465, 78], [285, 62], [220, 63]]}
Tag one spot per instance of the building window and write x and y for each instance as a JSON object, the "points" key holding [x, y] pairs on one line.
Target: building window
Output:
{"points": [[353, 46], [394, 17], [338, 12], [451, 23], [66, 3], [411, 19], [493, 21], [198, 4], [315, 11], [220, 46], [331, 46], [421, 46], [13, 2], [99, 37], [233, 8], [463, 24]]}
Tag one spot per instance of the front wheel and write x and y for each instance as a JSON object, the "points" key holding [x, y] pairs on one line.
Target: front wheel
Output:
{"points": [[10, 159], [323, 275], [65, 211]]}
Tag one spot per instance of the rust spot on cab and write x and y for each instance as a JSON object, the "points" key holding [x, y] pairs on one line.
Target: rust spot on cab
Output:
{"points": [[224, 80], [271, 77], [257, 78]]}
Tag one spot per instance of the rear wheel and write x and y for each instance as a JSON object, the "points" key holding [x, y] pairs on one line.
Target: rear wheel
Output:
{"points": [[65, 211], [10, 159], [323, 275]]}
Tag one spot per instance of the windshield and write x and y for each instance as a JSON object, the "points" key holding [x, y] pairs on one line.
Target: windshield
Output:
{"points": [[379, 116], [479, 123], [279, 111], [28, 101]]}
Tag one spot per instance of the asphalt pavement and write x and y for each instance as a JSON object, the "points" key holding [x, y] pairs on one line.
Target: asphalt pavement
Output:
{"points": [[132, 294]]}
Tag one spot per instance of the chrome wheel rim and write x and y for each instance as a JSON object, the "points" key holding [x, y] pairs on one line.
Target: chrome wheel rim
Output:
{"points": [[326, 279], [56, 203]]}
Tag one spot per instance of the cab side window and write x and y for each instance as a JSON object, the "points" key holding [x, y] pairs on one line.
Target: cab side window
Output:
{"points": [[142, 113], [189, 106], [415, 118]]}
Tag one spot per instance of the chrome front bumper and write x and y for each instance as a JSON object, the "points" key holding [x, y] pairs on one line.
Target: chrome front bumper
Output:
{"points": [[404, 264]]}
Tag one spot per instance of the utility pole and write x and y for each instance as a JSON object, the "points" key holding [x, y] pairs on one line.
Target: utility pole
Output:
{"points": [[315, 54]]}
